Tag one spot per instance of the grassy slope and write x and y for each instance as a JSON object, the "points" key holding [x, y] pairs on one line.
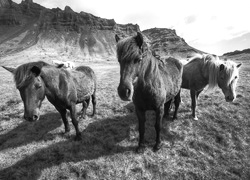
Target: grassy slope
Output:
{"points": [[215, 147]]}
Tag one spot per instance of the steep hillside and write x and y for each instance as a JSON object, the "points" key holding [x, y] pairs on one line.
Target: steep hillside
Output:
{"points": [[165, 43], [30, 26]]}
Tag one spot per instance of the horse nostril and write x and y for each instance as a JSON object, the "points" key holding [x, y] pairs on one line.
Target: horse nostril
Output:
{"points": [[128, 91], [35, 117]]}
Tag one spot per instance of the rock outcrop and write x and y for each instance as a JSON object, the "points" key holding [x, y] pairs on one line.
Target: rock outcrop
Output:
{"points": [[30, 25], [166, 43]]}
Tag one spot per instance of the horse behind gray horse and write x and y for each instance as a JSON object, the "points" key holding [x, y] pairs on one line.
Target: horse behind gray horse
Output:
{"points": [[203, 70], [156, 85], [64, 89]]}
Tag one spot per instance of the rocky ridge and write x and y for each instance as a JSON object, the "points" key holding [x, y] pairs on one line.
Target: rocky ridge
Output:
{"points": [[29, 25]]}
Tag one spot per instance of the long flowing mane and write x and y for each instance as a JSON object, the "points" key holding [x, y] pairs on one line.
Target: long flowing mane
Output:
{"points": [[22, 74], [212, 63]]}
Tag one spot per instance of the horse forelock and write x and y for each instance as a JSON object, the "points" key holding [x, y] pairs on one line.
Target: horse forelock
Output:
{"points": [[23, 75], [127, 49], [213, 63], [231, 70]]}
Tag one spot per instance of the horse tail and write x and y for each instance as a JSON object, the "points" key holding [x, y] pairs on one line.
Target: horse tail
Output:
{"points": [[93, 96]]}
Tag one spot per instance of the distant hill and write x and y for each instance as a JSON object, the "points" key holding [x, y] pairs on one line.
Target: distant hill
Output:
{"points": [[237, 52], [29, 25]]}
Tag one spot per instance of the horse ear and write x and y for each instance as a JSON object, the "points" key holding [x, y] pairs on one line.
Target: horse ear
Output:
{"points": [[238, 65], [35, 70], [117, 38], [59, 66], [222, 67], [10, 69], [139, 39]]}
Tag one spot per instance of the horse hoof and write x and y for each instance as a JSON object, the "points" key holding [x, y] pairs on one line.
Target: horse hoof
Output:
{"points": [[67, 130], [140, 149], [78, 138], [82, 117], [157, 147], [195, 118]]}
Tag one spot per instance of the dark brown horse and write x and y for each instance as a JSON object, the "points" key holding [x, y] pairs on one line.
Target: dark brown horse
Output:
{"points": [[63, 88], [203, 70], [157, 83]]}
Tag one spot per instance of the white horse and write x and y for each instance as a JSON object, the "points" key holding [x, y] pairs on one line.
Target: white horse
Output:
{"points": [[67, 64], [70, 64]]}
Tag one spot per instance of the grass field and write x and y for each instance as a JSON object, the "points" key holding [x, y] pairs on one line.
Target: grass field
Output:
{"points": [[215, 147]]}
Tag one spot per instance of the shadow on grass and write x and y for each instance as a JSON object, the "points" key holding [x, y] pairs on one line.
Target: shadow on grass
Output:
{"points": [[28, 132], [103, 137]]}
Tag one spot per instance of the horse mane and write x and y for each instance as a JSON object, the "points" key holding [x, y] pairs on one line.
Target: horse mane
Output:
{"points": [[213, 63], [23, 74], [127, 49]]}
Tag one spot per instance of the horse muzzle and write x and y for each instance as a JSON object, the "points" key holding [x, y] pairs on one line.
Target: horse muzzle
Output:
{"points": [[32, 117], [229, 98], [125, 92]]}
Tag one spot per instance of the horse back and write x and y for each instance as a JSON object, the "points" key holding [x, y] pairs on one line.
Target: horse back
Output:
{"points": [[172, 70]]}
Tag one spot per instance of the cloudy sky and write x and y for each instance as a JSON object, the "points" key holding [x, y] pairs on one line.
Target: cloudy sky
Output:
{"points": [[213, 26]]}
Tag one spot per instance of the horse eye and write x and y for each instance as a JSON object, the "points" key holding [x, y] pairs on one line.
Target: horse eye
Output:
{"points": [[236, 77], [37, 86], [138, 60]]}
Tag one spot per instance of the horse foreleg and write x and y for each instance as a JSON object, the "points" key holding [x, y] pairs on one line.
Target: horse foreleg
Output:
{"points": [[141, 119], [63, 113], [158, 125], [94, 103], [74, 121], [193, 97], [177, 101]]}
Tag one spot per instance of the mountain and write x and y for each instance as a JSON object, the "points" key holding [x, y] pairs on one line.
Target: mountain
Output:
{"points": [[165, 42], [243, 55], [237, 52], [30, 26]]}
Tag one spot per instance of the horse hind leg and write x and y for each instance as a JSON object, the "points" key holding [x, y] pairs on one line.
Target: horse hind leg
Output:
{"points": [[93, 97], [177, 101], [167, 107], [85, 105]]}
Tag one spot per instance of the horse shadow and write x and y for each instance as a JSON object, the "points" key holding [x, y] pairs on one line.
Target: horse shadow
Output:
{"points": [[28, 132], [102, 137]]}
